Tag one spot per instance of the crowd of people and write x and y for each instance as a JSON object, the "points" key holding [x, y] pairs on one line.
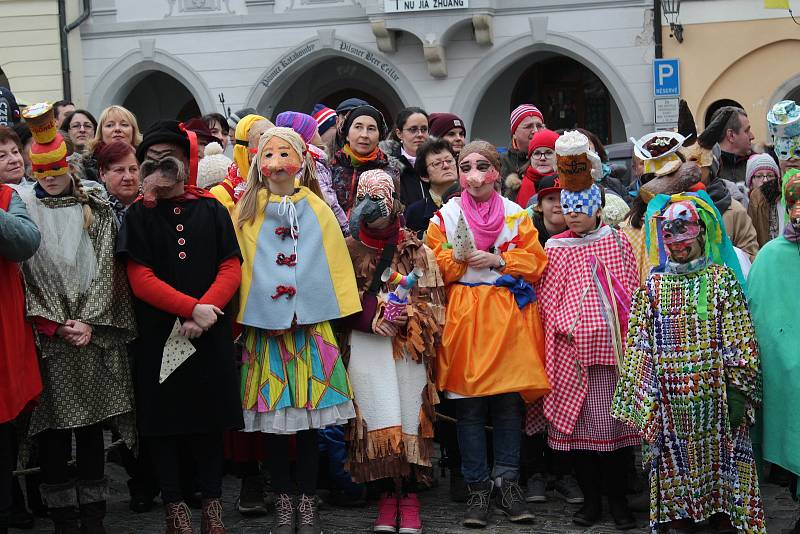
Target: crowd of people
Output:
{"points": [[340, 296]]}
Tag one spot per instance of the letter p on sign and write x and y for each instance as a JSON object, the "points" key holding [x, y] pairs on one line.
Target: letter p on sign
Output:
{"points": [[666, 77]]}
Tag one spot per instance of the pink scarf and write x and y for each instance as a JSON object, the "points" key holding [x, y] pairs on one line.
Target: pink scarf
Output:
{"points": [[485, 219]]}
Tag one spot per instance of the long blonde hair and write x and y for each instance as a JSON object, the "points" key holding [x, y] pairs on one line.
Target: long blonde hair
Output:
{"points": [[247, 206], [126, 115]]}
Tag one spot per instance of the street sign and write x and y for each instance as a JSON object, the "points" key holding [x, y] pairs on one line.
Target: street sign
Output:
{"points": [[666, 77], [666, 110], [404, 6]]}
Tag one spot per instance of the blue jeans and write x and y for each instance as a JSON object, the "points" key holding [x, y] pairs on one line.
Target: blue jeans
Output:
{"points": [[507, 411]]}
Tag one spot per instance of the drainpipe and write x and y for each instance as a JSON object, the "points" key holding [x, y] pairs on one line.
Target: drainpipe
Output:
{"points": [[657, 28], [64, 30]]}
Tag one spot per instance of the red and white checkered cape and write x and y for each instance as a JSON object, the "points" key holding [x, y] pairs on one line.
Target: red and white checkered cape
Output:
{"points": [[567, 278]]}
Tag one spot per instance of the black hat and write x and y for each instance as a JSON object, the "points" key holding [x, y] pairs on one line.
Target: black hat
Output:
{"points": [[9, 109], [166, 131], [350, 103], [369, 111]]}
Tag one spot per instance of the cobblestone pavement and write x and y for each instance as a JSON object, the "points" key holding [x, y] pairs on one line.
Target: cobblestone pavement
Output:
{"points": [[440, 516]]}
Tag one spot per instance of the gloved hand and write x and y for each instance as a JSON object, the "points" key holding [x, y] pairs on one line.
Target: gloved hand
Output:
{"points": [[737, 401]]}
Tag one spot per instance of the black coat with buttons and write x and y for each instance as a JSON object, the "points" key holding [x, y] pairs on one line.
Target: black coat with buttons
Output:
{"points": [[183, 242]]}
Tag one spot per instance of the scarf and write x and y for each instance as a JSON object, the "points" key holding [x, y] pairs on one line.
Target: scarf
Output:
{"points": [[528, 187], [377, 238], [485, 219], [791, 234], [357, 160]]}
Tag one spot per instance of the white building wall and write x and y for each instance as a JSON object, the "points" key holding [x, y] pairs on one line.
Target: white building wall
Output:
{"points": [[229, 53]]}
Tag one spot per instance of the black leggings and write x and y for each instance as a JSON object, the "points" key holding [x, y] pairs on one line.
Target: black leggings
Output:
{"points": [[307, 464], [207, 452], [6, 464], [539, 458], [55, 451]]}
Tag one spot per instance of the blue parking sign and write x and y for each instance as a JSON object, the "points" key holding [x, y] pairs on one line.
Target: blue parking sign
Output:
{"points": [[666, 77]]}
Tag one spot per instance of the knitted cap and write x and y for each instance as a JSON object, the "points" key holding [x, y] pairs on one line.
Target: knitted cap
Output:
{"points": [[325, 117], [484, 148], [236, 116], [213, 168], [361, 111], [519, 114], [759, 162], [441, 123], [301, 123], [48, 151], [543, 139]]}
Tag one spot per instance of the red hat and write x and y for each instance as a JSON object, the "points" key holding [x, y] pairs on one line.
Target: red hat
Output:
{"points": [[543, 139], [441, 123], [200, 127], [519, 114]]}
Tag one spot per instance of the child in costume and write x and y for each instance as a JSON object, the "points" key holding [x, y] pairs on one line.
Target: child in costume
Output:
{"points": [[297, 277], [590, 277], [490, 359], [690, 379], [20, 382], [391, 359], [184, 267], [77, 295]]}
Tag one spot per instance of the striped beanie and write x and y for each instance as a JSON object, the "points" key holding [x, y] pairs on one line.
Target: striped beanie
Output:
{"points": [[759, 162], [301, 123], [521, 112], [325, 117]]}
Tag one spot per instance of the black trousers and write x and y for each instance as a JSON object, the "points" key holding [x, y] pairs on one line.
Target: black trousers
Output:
{"points": [[206, 451], [600, 473], [539, 458], [55, 451], [306, 468], [6, 464]]}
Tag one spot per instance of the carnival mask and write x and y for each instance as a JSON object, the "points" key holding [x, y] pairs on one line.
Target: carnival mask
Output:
{"points": [[278, 156], [791, 191], [374, 199], [159, 179], [475, 170], [787, 148], [589, 201]]}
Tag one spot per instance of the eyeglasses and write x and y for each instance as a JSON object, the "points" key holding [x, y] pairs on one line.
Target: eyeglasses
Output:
{"points": [[440, 163], [81, 126], [539, 154], [417, 130], [482, 166], [765, 176]]}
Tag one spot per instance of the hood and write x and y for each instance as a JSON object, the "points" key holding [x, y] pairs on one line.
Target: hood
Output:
{"points": [[720, 194]]}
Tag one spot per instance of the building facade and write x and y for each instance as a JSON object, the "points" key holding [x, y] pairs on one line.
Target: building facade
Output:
{"points": [[735, 52], [584, 62]]}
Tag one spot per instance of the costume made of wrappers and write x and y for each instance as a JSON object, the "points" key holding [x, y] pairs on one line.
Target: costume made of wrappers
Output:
{"points": [[690, 338], [90, 384], [393, 378], [489, 345], [296, 277]]}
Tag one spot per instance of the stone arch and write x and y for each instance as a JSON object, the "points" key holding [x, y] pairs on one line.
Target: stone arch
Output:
{"points": [[118, 80], [501, 58], [282, 76]]}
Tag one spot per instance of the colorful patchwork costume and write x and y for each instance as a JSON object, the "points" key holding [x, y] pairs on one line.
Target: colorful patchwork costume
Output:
{"points": [[691, 355]]}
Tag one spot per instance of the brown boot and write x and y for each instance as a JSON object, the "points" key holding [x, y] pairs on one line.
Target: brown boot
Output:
{"points": [[211, 523], [179, 518]]}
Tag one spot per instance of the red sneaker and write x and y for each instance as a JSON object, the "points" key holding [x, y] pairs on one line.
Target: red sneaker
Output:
{"points": [[387, 514], [410, 520]]}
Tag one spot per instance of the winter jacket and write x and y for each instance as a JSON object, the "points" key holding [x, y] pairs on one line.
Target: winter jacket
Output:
{"points": [[418, 214], [760, 211], [345, 177], [732, 167], [412, 189], [513, 165], [737, 223]]}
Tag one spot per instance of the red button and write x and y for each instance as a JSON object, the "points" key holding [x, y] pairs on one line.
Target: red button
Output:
{"points": [[179, 228], [177, 211], [181, 241], [182, 255]]}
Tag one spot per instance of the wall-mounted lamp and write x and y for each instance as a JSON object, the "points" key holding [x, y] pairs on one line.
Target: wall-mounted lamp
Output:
{"points": [[671, 10]]}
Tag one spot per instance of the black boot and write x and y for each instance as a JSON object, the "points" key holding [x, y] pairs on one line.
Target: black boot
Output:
{"points": [[4, 514], [480, 496], [92, 496], [62, 505], [612, 464], [588, 474]]}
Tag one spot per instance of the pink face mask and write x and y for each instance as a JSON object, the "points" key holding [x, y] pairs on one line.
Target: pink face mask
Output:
{"points": [[475, 171]]}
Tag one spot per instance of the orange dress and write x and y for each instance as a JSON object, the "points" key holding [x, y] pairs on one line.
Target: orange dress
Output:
{"points": [[489, 345]]}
